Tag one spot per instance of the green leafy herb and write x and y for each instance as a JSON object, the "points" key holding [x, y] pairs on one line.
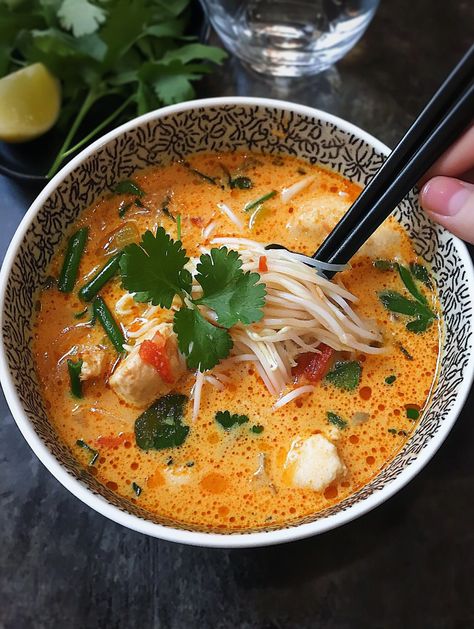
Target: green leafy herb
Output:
{"points": [[128, 187], [154, 271], [81, 314], [390, 379], [178, 227], [251, 205], [233, 295], [74, 370], [94, 453], [410, 285], [123, 208], [165, 209], [243, 183], [203, 344], [413, 414], [137, 490], [392, 431], [395, 302], [161, 425], [257, 429], [384, 265], [345, 375], [336, 420], [421, 274], [122, 57], [228, 421], [202, 175]]}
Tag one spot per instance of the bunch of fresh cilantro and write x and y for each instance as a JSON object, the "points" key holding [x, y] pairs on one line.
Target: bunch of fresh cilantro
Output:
{"points": [[155, 271], [136, 51]]}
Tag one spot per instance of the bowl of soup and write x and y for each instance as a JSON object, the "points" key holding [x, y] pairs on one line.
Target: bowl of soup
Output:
{"points": [[187, 381]]}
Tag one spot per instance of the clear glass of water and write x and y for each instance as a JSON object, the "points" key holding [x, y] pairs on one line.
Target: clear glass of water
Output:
{"points": [[289, 37]]}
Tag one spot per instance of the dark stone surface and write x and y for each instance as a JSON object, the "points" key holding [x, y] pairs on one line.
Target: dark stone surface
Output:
{"points": [[407, 564]]}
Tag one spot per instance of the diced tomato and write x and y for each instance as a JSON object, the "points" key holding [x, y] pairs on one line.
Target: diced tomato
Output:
{"points": [[313, 366], [198, 221], [112, 441], [262, 264], [154, 353]]}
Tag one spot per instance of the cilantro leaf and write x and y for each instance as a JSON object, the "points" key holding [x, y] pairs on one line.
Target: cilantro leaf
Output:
{"points": [[161, 426], [81, 17], [228, 421], [234, 295], [154, 269], [203, 344], [127, 186], [336, 420], [345, 375]]}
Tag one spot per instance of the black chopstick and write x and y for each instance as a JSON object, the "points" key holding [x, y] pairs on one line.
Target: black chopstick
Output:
{"points": [[446, 115]]}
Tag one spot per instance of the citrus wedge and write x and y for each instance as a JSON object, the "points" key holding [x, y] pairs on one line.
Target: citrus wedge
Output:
{"points": [[30, 100]]}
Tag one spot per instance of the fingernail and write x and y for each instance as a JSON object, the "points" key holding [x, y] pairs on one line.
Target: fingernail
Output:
{"points": [[445, 196]]}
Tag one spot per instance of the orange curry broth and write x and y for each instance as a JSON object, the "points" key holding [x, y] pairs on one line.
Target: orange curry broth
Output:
{"points": [[219, 491]]}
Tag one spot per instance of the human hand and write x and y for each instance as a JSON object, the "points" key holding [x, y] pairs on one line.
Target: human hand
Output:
{"points": [[447, 194]]}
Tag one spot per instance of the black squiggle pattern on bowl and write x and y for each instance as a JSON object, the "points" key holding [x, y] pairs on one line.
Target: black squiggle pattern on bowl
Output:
{"points": [[228, 128]]}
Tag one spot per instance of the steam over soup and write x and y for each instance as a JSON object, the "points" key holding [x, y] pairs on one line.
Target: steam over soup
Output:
{"points": [[215, 382]]}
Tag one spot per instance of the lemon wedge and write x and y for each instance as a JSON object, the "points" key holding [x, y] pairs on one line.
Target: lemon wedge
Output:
{"points": [[30, 100]]}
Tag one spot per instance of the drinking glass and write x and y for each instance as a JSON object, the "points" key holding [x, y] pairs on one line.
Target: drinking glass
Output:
{"points": [[289, 37]]}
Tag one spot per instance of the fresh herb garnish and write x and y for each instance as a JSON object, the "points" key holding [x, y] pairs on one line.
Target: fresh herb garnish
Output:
{"points": [[405, 352], [124, 207], [390, 379], [336, 420], [165, 209], [200, 174], [178, 227], [74, 370], [396, 431], [345, 375], [161, 426], [384, 265], [94, 453], [228, 421], [128, 187], [251, 205], [257, 429], [413, 414], [243, 183], [154, 271], [421, 274], [392, 431], [81, 314], [410, 285], [137, 490]]}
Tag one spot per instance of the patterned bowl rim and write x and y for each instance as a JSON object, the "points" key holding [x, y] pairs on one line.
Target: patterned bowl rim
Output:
{"points": [[168, 533]]}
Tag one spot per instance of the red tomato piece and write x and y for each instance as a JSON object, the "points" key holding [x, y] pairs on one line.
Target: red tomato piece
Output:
{"points": [[313, 366], [154, 353], [262, 264]]}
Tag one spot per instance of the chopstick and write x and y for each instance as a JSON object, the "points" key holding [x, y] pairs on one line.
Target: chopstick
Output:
{"points": [[445, 116]]}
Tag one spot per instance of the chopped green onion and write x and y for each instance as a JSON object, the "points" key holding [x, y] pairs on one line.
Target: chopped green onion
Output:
{"points": [[81, 314], [178, 227], [94, 453], [74, 369], [72, 259], [390, 379], [392, 431], [421, 274], [336, 420], [257, 429], [384, 265], [123, 208], [253, 204], [129, 187], [103, 275], [109, 324], [136, 488], [405, 352], [413, 414]]}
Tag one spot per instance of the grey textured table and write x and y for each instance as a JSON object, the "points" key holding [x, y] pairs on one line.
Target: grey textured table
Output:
{"points": [[408, 563]]}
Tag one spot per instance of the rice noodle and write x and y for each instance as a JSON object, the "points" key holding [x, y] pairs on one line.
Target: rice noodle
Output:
{"points": [[292, 395], [196, 393], [207, 231], [288, 193], [230, 214]]}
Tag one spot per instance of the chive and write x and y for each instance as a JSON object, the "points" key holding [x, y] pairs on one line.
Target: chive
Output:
{"points": [[109, 324], [123, 208], [74, 369], [85, 446], [75, 248], [200, 174], [178, 226], [392, 431], [136, 488], [128, 187], [336, 420], [390, 379], [82, 314], [93, 286], [257, 429], [413, 414], [252, 204]]}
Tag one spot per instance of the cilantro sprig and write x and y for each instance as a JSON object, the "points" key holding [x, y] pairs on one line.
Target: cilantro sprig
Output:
{"points": [[123, 57], [155, 271]]}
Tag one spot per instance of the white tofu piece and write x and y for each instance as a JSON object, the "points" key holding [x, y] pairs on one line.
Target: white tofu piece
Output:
{"points": [[312, 463], [181, 475], [94, 362], [138, 382]]}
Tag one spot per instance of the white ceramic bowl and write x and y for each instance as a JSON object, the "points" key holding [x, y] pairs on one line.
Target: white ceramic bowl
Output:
{"points": [[224, 124]]}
